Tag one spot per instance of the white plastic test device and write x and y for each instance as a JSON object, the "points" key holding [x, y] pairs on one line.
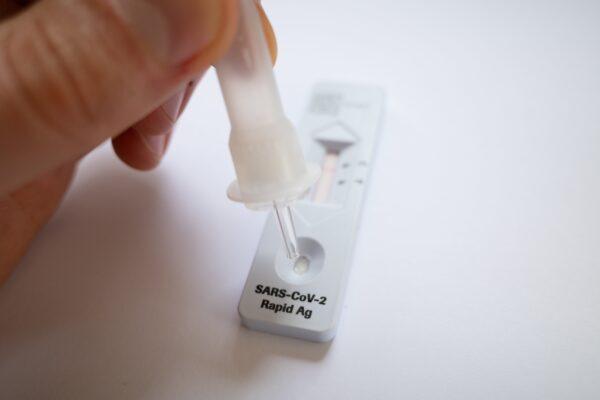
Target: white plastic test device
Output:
{"points": [[339, 130], [296, 289]]}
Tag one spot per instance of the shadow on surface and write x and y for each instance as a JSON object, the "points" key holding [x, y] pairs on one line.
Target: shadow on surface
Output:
{"points": [[122, 295]]}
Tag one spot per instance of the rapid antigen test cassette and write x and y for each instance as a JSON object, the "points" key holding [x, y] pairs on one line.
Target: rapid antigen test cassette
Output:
{"points": [[303, 297]]}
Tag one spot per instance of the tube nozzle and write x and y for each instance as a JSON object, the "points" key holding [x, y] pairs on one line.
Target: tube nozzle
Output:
{"points": [[288, 230]]}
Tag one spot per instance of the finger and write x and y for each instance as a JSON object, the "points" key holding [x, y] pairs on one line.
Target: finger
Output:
{"points": [[65, 87], [146, 153], [8, 8], [269, 32], [142, 152], [161, 120], [25, 211]]}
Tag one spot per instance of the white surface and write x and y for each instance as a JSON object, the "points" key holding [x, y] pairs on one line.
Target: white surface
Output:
{"points": [[476, 272]]}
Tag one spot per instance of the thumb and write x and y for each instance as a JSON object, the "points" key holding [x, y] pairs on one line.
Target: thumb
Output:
{"points": [[76, 72]]}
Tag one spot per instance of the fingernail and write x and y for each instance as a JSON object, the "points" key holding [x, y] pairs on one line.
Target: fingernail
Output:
{"points": [[175, 30], [161, 120], [155, 144], [172, 106]]}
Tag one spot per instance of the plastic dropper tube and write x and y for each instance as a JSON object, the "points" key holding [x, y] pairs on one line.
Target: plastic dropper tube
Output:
{"points": [[288, 230], [268, 160]]}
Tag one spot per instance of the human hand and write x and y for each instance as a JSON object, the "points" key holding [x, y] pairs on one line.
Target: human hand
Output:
{"points": [[74, 73]]}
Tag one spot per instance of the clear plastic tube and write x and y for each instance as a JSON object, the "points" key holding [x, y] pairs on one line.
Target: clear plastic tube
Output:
{"points": [[246, 75], [288, 230]]}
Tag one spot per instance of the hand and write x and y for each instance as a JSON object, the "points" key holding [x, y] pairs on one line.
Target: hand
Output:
{"points": [[74, 73]]}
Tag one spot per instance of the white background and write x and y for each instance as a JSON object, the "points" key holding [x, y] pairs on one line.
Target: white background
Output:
{"points": [[477, 268]]}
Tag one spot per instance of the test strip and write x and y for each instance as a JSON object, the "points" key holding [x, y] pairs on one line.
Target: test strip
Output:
{"points": [[323, 187]]}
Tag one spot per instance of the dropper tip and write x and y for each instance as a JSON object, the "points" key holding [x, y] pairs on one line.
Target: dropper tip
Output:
{"points": [[287, 228]]}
